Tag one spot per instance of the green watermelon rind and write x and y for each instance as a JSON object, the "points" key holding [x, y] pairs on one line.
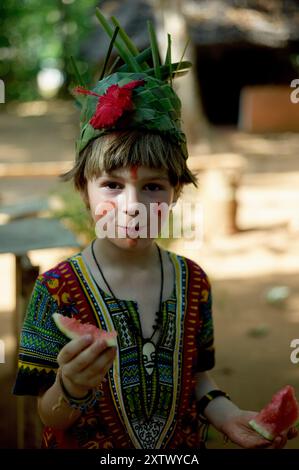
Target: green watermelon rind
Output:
{"points": [[261, 430], [57, 317]]}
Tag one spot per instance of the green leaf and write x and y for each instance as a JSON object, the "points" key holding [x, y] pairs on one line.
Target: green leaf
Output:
{"points": [[125, 55], [109, 52], [141, 58], [144, 114], [127, 41], [178, 68], [168, 57], [113, 66], [184, 51], [76, 72], [146, 95], [155, 50]]}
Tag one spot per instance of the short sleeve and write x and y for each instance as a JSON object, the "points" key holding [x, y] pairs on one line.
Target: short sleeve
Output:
{"points": [[205, 338], [40, 343]]}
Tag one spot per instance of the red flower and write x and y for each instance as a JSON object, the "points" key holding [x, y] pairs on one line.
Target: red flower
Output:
{"points": [[112, 104]]}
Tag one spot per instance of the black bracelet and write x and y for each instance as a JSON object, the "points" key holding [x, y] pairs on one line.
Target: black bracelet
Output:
{"points": [[206, 399], [68, 395]]}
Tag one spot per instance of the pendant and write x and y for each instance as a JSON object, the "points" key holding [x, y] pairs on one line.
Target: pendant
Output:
{"points": [[149, 356]]}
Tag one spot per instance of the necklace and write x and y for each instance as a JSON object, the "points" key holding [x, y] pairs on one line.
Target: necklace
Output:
{"points": [[149, 346]]}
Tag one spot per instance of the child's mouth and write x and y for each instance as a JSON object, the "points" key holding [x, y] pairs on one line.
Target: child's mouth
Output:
{"points": [[132, 230]]}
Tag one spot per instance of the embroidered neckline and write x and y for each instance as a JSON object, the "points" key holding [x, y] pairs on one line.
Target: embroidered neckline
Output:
{"points": [[108, 296]]}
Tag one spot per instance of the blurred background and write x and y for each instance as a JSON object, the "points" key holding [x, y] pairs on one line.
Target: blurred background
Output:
{"points": [[241, 117]]}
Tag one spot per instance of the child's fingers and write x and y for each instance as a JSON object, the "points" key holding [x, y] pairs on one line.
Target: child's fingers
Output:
{"points": [[279, 442], [100, 365], [73, 348], [263, 444], [95, 375], [85, 358], [97, 363], [292, 433]]}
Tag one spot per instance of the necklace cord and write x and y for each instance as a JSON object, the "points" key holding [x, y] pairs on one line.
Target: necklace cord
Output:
{"points": [[157, 319]]}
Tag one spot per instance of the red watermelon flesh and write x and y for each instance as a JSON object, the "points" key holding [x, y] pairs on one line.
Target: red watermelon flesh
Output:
{"points": [[73, 329], [279, 415]]}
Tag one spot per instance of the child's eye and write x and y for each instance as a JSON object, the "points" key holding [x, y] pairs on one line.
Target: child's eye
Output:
{"points": [[154, 187], [111, 185]]}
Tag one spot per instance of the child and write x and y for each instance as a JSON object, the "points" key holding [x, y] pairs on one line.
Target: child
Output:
{"points": [[152, 391]]}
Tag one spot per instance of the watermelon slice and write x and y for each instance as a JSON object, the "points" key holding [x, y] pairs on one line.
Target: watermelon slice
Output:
{"points": [[279, 415], [73, 329]]}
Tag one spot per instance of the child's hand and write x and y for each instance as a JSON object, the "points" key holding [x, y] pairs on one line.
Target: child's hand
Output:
{"points": [[240, 432], [84, 363]]}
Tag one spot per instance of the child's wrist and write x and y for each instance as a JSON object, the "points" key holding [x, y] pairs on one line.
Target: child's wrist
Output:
{"points": [[81, 402], [220, 412], [206, 399], [68, 388], [217, 408]]}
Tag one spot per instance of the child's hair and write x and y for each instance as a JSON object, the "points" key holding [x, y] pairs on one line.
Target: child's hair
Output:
{"points": [[126, 148]]}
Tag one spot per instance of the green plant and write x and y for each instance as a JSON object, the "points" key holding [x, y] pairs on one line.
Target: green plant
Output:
{"points": [[67, 205]]}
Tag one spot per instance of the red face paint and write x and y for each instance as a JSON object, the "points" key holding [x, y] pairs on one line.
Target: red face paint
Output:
{"points": [[103, 208], [133, 172]]}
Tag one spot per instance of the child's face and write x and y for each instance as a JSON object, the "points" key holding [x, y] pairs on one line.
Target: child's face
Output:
{"points": [[125, 203]]}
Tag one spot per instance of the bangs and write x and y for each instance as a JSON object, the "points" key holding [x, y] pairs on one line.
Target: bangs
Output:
{"points": [[123, 149], [129, 148]]}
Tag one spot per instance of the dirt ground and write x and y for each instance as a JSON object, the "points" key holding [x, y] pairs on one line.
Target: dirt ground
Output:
{"points": [[254, 272]]}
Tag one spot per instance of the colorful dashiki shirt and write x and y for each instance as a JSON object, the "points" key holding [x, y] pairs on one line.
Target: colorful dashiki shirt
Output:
{"points": [[139, 409]]}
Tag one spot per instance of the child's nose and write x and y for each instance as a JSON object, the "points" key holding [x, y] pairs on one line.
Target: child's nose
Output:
{"points": [[132, 198], [132, 209], [133, 202]]}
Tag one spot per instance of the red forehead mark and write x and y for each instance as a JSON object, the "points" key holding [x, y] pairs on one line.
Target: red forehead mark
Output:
{"points": [[133, 171]]}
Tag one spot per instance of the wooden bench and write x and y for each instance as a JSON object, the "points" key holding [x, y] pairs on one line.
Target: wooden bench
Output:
{"points": [[20, 210]]}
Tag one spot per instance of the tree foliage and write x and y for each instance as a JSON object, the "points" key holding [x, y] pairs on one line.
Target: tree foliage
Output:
{"points": [[35, 34]]}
